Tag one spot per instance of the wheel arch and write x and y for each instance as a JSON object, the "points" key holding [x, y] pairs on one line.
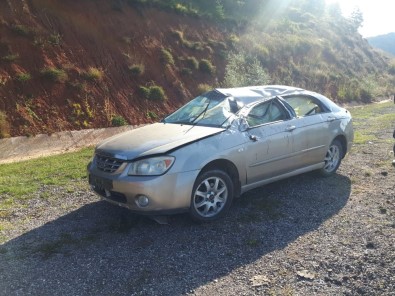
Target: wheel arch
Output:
{"points": [[343, 141], [228, 167]]}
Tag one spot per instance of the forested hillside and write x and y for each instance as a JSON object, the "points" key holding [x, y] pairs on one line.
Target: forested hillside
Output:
{"points": [[68, 65]]}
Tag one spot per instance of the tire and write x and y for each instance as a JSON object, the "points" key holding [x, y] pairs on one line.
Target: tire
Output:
{"points": [[332, 158], [212, 196]]}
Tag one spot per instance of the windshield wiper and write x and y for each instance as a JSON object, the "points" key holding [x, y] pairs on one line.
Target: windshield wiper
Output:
{"points": [[201, 113]]}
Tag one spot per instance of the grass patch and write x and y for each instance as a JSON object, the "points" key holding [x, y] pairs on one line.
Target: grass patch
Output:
{"points": [[167, 57], [10, 57], [151, 115], [361, 137], [55, 74], [23, 77], [194, 45], [19, 180], [93, 74], [370, 120], [21, 30]]}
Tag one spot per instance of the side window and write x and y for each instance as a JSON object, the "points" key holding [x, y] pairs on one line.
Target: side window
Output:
{"points": [[304, 106], [264, 113]]}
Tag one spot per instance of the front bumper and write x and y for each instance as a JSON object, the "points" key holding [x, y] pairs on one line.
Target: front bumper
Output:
{"points": [[168, 193]]}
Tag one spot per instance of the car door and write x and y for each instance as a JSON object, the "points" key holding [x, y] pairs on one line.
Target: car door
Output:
{"points": [[269, 152], [312, 132]]}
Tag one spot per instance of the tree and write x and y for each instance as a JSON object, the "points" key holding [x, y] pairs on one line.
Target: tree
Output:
{"points": [[334, 10], [356, 19], [243, 70], [314, 6]]}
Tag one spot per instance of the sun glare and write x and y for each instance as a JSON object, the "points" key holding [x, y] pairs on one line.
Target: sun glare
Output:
{"points": [[377, 15]]}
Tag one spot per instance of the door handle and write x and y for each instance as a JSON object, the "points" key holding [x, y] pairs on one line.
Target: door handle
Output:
{"points": [[290, 128], [331, 118], [253, 138]]}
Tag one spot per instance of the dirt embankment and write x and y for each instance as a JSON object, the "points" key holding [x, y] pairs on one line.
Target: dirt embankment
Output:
{"points": [[90, 48], [22, 148]]}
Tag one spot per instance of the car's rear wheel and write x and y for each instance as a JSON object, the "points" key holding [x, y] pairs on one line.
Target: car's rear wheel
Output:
{"points": [[332, 158], [212, 196]]}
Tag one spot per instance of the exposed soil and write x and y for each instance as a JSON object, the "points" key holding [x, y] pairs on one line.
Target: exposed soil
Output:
{"points": [[74, 36], [303, 236]]}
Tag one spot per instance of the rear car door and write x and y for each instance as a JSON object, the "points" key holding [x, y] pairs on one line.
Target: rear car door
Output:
{"points": [[312, 129]]}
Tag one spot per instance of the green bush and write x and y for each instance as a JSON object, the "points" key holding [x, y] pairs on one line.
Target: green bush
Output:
{"points": [[55, 74], [195, 45], [203, 88], [137, 69], [93, 74], [118, 120], [151, 115], [178, 34], [198, 46], [21, 30], [192, 63], [219, 12], [244, 70], [54, 39], [206, 66], [233, 40], [167, 57], [144, 91], [181, 9], [23, 77], [10, 57], [156, 93]]}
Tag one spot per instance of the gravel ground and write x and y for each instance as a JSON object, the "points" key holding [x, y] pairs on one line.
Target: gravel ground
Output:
{"points": [[303, 236]]}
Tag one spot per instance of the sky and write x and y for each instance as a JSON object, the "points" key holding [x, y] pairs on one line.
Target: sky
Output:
{"points": [[378, 15]]}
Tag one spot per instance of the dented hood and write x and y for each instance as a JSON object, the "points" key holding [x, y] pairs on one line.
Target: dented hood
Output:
{"points": [[152, 139]]}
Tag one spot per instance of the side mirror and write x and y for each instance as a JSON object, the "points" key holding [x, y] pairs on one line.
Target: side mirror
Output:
{"points": [[242, 124]]}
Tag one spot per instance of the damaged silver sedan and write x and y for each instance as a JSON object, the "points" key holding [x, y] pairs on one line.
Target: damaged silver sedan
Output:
{"points": [[218, 146]]}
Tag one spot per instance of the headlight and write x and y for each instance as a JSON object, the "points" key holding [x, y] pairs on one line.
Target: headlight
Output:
{"points": [[151, 166]]}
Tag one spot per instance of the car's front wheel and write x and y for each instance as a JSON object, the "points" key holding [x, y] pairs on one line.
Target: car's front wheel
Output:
{"points": [[332, 158], [212, 196]]}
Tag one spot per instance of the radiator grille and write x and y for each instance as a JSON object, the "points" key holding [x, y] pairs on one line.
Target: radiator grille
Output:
{"points": [[108, 164]]}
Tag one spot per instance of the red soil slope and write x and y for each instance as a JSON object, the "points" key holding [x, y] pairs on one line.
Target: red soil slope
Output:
{"points": [[75, 36]]}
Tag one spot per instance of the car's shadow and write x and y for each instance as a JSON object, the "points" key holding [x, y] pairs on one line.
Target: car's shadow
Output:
{"points": [[100, 249]]}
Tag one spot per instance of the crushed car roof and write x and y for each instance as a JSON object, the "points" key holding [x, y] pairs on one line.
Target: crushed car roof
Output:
{"points": [[250, 94]]}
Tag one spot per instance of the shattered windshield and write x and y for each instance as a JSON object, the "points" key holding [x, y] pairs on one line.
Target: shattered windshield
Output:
{"points": [[209, 109]]}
